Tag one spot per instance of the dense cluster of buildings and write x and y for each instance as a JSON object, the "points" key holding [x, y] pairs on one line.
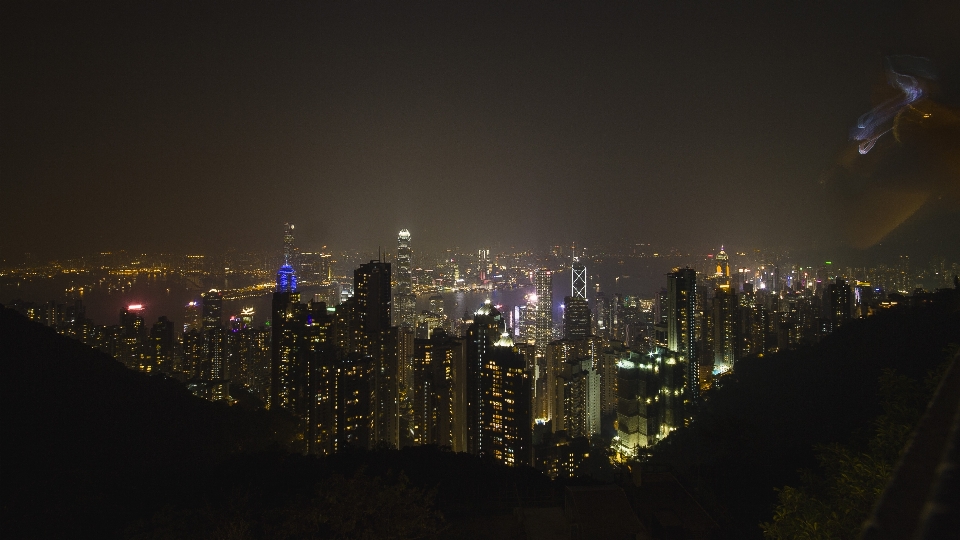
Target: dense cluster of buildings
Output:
{"points": [[615, 374]]}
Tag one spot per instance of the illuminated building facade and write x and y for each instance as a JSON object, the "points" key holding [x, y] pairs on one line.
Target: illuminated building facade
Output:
{"points": [[131, 337], [724, 325], [576, 318], [434, 396], [485, 330], [507, 428], [405, 310], [287, 387], [578, 280], [380, 341], [682, 325]]}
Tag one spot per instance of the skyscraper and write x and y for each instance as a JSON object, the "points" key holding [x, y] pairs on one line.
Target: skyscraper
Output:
{"points": [[289, 250], [481, 335], [543, 283], [286, 371], [681, 325], [576, 318], [579, 279], [214, 368], [381, 342], [405, 309], [725, 318]]}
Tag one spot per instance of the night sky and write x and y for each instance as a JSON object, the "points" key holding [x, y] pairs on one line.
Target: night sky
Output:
{"points": [[203, 126]]}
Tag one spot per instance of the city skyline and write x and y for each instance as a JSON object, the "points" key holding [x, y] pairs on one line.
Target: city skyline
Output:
{"points": [[202, 128]]}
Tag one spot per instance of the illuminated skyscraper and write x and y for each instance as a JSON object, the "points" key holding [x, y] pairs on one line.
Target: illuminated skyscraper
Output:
{"points": [[681, 325], [579, 279], [481, 335], [543, 283], [405, 310], [286, 372], [289, 250], [723, 266], [437, 363], [725, 318], [576, 318], [214, 367], [381, 342], [132, 334], [191, 317], [507, 424]]}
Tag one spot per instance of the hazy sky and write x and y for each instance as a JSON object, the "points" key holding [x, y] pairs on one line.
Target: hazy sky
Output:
{"points": [[202, 126]]}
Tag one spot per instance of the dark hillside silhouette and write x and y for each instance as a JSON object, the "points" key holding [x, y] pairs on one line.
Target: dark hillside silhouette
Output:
{"points": [[88, 443], [754, 432]]}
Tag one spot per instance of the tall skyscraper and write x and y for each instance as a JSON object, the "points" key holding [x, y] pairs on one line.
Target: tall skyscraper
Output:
{"points": [[725, 319], [681, 325], [578, 279], [576, 318], [481, 335], [507, 424], [381, 342], [289, 249], [405, 308], [543, 284], [214, 367], [286, 372], [434, 396]]}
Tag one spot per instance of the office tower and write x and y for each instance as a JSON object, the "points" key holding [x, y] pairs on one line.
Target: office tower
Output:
{"points": [[213, 369], [579, 280], [681, 325], [289, 249], [287, 387], [723, 266], [405, 308], [576, 318], [191, 317], [725, 319], [543, 284]]}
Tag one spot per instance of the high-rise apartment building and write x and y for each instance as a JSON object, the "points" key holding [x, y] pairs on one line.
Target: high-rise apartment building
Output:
{"points": [[381, 342], [725, 318]]}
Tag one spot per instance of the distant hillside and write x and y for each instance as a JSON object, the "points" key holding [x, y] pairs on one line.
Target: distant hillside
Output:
{"points": [[759, 427], [87, 443]]}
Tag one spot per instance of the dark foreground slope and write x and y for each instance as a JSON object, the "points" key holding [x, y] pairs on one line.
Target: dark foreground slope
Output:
{"points": [[754, 432], [88, 444], [89, 448]]}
